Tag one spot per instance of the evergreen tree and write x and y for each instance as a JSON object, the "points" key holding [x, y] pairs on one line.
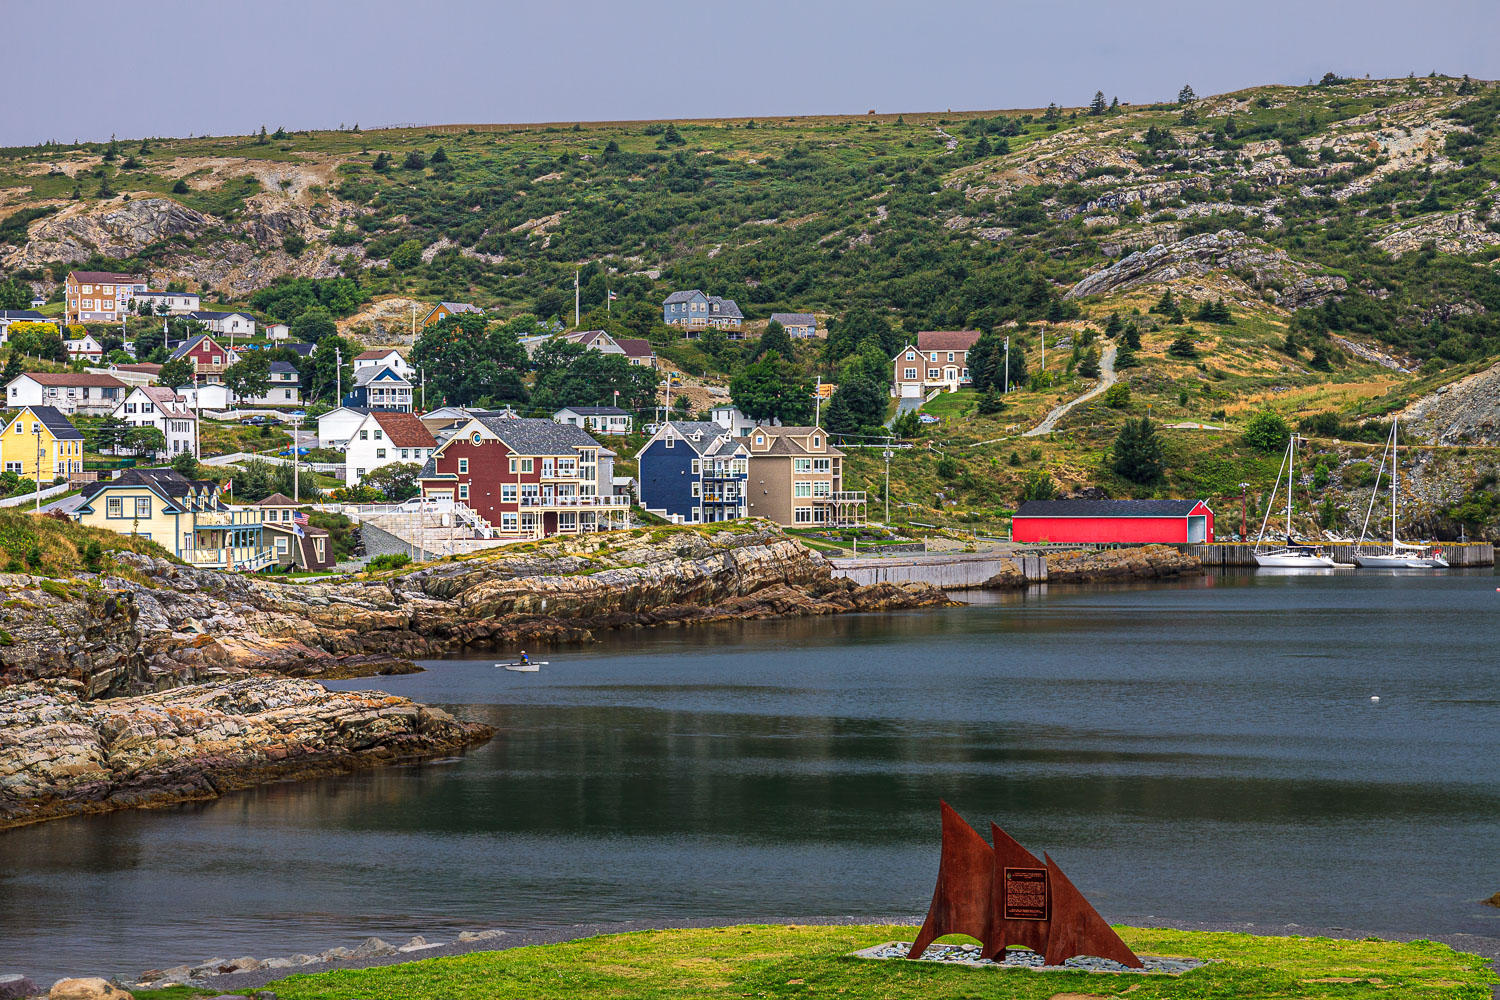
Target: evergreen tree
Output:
{"points": [[1183, 346], [382, 163], [990, 402], [1018, 374], [981, 148], [1125, 356], [775, 341], [1052, 114], [1320, 359], [1097, 107], [260, 140], [1186, 95], [1114, 106], [1137, 452], [1088, 365], [856, 404], [1189, 116], [1132, 336], [439, 155], [1113, 325]]}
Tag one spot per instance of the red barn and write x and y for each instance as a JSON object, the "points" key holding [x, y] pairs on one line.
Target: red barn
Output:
{"points": [[1108, 522]]}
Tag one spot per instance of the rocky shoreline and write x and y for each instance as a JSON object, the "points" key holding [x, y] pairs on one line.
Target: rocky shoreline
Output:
{"points": [[169, 684], [1146, 562]]}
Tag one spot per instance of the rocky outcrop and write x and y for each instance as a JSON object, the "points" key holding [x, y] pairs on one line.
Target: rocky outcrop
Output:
{"points": [[1147, 562], [1464, 412], [174, 625], [120, 230], [1252, 262], [63, 755]]}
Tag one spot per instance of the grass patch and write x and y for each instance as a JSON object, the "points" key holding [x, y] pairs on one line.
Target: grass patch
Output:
{"points": [[48, 546], [784, 961]]}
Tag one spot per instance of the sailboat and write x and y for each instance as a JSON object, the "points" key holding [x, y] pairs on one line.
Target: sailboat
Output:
{"points": [[1291, 555], [1403, 555]]}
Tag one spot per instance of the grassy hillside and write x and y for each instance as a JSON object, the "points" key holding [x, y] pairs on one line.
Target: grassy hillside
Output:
{"points": [[1350, 228]]}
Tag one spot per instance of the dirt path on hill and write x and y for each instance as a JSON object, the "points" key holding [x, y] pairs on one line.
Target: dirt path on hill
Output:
{"points": [[1106, 379]]}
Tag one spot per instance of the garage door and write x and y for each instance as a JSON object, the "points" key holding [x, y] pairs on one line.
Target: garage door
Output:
{"points": [[911, 390]]}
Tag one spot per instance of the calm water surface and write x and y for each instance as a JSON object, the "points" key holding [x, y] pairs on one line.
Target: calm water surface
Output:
{"points": [[1205, 751]]}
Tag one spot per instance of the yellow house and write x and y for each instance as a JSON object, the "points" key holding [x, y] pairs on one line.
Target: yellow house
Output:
{"points": [[185, 516], [41, 434]]}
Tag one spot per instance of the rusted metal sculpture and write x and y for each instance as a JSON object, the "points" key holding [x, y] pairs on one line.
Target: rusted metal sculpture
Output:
{"points": [[1002, 895]]}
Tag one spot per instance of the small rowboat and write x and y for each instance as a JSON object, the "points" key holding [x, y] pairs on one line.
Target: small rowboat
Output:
{"points": [[523, 668]]}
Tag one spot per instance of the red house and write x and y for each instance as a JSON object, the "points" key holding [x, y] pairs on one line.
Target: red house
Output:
{"points": [[208, 356], [1107, 522], [528, 478]]}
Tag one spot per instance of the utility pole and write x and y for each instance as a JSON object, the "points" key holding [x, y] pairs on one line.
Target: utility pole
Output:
{"points": [[1007, 367], [296, 462], [1044, 349], [422, 373], [888, 483], [36, 428], [1244, 493], [338, 376], [577, 320], [818, 403]]}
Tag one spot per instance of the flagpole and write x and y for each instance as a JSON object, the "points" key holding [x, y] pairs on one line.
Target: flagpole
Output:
{"points": [[577, 320]]}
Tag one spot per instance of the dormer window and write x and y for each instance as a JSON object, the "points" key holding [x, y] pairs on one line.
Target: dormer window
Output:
{"points": [[817, 443], [760, 439]]}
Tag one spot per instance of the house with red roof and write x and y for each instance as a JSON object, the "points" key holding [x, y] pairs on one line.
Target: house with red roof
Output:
{"points": [[382, 438], [939, 359]]}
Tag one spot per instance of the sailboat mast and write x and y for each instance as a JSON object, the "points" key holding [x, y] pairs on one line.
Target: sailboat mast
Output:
{"points": [[1291, 471], [1395, 478]]}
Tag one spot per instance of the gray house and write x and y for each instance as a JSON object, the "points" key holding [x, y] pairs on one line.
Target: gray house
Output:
{"points": [[695, 312], [797, 324]]}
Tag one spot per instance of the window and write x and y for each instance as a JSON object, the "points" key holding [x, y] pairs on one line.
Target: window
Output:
{"points": [[507, 492], [281, 547], [965, 373], [741, 466], [801, 465], [380, 453], [114, 506], [463, 465], [364, 435], [911, 355], [934, 373], [932, 357], [910, 374], [822, 489], [463, 491], [822, 464], [950, 356], [696, 490], [378, 435], [359, 473], [567, 520], [509, 522], [527, 464], [286, 394], [696, 467], [802, 490], [802, 515], [142, 506], [817, 442], [512, 465]]}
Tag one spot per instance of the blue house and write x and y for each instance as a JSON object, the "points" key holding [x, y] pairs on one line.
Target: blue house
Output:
{"points": [[380, 387], [797, 324], [693, 472], [695, 312]]}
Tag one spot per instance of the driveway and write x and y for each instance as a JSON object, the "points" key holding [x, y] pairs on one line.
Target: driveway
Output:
{"points": [[906, 404]]}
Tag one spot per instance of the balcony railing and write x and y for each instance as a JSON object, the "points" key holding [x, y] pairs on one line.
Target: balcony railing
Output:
{"points": [[218, 519], [229, 559], [568, 502], [847, 496]]}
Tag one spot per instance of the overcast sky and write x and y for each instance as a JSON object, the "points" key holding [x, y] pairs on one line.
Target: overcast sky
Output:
{"points": [[171, 67]]}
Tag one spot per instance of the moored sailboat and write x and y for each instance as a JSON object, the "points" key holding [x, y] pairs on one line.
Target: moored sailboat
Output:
{"points": [[1291, 555], [1402, 555]]}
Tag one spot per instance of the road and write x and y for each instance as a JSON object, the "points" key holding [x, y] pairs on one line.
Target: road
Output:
{"points": [[1106, 379], [906, 404]]}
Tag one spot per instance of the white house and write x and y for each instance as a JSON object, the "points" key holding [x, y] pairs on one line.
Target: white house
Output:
{"points": [[338, 425], [285, 389], [602, 419], [9, 316], [84, 347], [160, 407], [87, 393], [177, 303], [385, 437], [225, 324], [276, 331], [208, 396], [736, 423], [387, 357]]}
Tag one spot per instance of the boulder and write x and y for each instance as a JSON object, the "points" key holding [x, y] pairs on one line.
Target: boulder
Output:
{"points": [[470, 936], [373, 948], [87, 989], [419, 943], [245, 964], [14, 986]]}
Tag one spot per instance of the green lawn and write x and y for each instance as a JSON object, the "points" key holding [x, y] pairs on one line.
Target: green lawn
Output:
{"points": [[788, 961]]}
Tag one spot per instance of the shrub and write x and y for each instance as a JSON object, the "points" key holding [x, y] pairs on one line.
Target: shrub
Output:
{"points": [[1038, 486], [1266, 431], [391, 560], [947, 467], [1117, 396]]}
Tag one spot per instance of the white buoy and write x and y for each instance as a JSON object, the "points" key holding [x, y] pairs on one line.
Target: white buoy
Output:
{"points": [[1374, 697]]}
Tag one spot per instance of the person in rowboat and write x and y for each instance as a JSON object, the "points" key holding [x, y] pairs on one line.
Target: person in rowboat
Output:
{"points": [[524, 658]]}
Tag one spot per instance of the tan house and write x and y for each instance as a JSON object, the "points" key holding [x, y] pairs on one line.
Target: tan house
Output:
{"points": [[938, 360], [298, 545], [100, 296], [797, 478], [445, 309]]}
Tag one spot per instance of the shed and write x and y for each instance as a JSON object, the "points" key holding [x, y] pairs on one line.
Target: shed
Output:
{"points": [[1107, 522]]}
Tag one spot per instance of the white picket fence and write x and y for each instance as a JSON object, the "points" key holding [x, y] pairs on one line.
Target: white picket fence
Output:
{"points": [[26, 498]]}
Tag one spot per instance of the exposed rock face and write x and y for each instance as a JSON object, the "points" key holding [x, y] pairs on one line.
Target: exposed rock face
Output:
{"points": [[1254, 262], [118, 231], [1458, 233], [1465, 412], [61, 755], [1148, 562], [86, 989]]}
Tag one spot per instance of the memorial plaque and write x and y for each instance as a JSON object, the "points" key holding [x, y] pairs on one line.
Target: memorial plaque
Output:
{"points": [[1026, 894]]}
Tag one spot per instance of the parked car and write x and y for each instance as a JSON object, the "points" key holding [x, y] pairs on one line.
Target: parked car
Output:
{"points": [[928, 418], [259, 420]]}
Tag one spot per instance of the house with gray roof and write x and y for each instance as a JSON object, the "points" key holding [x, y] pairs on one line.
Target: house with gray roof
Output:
{"points": [[693, 312], [797, 324], [527, 477], [694, 472]]}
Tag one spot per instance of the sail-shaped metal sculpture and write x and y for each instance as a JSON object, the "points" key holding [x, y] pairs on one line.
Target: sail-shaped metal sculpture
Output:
{"points": [[1002, 895]]}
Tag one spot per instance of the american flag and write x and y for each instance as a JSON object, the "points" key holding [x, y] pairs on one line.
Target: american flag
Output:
{"points": [[612, 296], [299, 521]]}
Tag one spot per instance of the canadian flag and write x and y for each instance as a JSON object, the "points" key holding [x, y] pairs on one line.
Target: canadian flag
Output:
{"points": [[613, 296]]}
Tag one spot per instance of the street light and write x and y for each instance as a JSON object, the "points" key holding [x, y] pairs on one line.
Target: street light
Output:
{"points": [[888, 487]]}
